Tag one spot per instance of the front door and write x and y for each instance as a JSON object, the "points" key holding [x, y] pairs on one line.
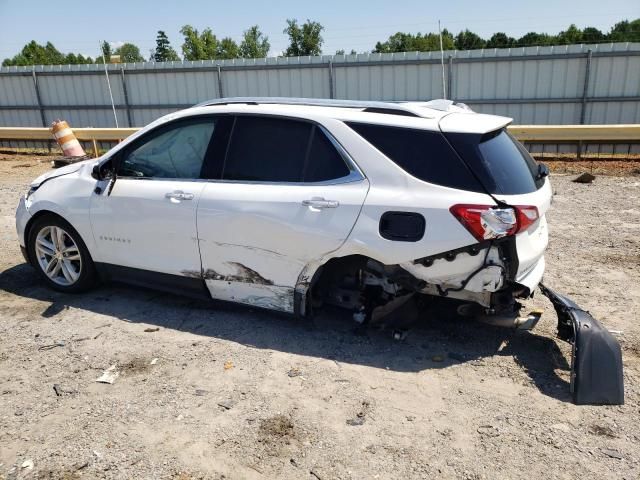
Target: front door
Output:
{"points": [[148, 219], [288, 195]]}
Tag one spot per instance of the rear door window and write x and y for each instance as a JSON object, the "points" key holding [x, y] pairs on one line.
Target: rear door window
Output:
{"points": [[271, 149], [424, 154], [267, 150]]}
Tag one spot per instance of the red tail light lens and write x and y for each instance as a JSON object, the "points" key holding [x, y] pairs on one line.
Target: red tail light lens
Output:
{"points": [[485, 222]]}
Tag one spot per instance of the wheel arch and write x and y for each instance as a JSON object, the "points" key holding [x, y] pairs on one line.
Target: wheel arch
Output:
{"points": [[38, 215]]}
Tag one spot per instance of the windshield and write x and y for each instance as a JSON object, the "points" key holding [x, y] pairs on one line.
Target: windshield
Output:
{"points": [[500, 162]]}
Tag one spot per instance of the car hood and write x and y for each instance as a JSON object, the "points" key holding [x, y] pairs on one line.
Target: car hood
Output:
{"points": [[58, 172]]}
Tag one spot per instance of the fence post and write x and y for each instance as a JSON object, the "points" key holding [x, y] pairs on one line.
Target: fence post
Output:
{"points": [[220, 81], [38, 99], [126, 96], [450, 76], [585, 92], [331, 80]]}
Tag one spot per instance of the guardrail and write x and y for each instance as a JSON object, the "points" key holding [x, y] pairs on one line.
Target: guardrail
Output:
{"points": [[542, 134]]}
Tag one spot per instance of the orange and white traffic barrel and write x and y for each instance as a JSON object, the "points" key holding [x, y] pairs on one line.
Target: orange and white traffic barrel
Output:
{"points": [[66, 139]]}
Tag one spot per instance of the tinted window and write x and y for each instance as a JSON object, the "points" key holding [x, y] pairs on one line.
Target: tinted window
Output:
{"points": [[267, 149], [175, 152], [324, 162], [500, 162], [425, 155]]}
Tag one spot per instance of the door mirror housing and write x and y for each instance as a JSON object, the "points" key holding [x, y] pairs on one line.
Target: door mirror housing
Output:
{"points": [[103, 170]]}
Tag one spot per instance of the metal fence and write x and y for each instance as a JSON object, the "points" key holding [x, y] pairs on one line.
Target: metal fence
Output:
{"points": [[574, 84]]}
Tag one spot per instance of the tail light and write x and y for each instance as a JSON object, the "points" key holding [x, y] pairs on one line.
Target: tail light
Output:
{"points": [[485, 222]]}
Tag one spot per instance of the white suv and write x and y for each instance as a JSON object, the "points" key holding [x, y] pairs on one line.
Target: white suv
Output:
{"points": [[289, 204]]}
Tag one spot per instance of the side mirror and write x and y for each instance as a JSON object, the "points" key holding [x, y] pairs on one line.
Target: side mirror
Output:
{"points": [[102, 171]]}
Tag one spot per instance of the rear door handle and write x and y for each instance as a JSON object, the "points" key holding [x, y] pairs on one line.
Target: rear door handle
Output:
{"points": [[179, 195], [321, 203]]}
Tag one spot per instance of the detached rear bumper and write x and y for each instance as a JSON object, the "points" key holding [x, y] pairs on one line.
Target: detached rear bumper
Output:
{"points": [[596, 360]]}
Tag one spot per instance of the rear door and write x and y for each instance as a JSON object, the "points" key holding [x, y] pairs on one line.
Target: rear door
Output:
{"points": [[287, 195]]}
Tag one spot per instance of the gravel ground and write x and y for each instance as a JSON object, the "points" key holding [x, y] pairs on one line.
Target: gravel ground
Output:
{"points": [[216, 391]]}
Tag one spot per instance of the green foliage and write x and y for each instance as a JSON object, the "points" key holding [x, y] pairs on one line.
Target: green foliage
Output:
{"points": [[306, 39], [164, 52], [407, 42], [129, 53], [468, 40], [341, 52], [35, 54], [500, 40], [227, 49], [303, 40], [254, 44], [199, 46]]}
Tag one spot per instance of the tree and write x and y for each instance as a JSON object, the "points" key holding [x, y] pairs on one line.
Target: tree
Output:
{"points": [[467, 40], [199, 46], [35, 54], [536, 39], [303, 40], [625, 31], [407, 42], [591, 35], [254, 44], [129, 53], [342, 52], [569, 36], [500, 40], [227, 49], [164, 52]]}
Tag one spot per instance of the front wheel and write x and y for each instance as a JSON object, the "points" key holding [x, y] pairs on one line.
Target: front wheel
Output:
{"points": [[60, 256]]}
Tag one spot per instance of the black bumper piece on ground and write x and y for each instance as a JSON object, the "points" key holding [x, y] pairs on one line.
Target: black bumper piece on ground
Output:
{"points": [[596, 360]]}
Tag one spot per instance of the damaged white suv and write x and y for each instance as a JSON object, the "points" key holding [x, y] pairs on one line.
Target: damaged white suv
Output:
{"points": [[289, 204]]}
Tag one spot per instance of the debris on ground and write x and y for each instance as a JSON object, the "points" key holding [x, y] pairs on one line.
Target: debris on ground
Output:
{"points": [[109, 375], [609, 452], [151, 329], [228, 365], [584, 178], [153, 361], [27, 465], [294, 372], [62, 390], [52, 345], [227, 404], [276, 426], [488, 430], [360, 416]]}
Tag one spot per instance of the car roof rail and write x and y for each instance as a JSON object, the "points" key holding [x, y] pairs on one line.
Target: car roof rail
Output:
{"points": [[394, 108]]}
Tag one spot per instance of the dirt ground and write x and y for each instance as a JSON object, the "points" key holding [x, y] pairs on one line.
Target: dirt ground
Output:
{"points": [[216, 391]]}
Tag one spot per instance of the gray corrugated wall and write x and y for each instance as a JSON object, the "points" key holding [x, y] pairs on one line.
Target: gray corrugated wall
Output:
{"points": [[534, 85]]}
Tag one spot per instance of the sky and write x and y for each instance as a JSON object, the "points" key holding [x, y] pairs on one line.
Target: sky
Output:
{"points": [[78, 27]]}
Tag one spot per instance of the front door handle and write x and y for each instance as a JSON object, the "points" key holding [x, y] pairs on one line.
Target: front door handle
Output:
{"points": [[179, 195], [317, 202]]}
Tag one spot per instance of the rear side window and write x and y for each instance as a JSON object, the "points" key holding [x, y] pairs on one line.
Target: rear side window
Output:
{"points": [[501, 163], [425, 155], [324, 162]]}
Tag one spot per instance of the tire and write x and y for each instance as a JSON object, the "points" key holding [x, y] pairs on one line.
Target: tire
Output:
{"points": [[54, 246]]}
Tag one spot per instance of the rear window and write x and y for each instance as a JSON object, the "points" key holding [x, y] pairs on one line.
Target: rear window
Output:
{"points": [[501, 163], [425, 155]]}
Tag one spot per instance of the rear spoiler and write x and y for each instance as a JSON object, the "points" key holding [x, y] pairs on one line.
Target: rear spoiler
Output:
{"points": [[596, 358], [475, 123]]}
